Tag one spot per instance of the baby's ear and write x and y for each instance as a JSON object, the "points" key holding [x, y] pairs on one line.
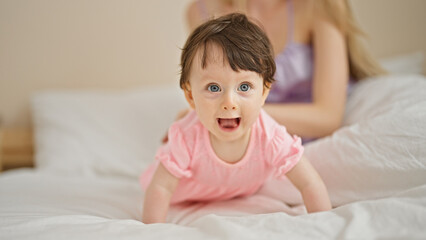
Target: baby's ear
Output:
{"points": [[188, 95], [265, 92]]}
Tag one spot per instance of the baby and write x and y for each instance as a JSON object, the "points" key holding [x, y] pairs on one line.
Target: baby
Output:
{"points": [[227, 146]]}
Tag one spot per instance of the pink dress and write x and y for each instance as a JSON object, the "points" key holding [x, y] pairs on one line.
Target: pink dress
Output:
{"points": [[188, 155]]}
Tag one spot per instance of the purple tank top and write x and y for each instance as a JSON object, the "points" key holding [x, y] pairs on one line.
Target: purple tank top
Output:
{"points": [[293, 77]]}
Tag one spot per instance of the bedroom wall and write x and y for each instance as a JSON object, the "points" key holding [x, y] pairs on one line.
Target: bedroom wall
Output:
{"points": [[110, 44], [394, 27]]}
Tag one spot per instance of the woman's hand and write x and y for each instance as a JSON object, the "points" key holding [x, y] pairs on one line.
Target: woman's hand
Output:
{"points": [[181, 114]]}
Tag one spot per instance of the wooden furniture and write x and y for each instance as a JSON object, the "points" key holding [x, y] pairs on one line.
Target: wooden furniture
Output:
{"points": [[16, 148]]}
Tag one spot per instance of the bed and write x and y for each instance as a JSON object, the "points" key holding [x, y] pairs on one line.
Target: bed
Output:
{"points": [[79, 165], [91, 146]]}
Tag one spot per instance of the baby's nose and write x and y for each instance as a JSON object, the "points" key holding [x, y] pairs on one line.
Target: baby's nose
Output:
{"points": [[229, 102], [230, 107]]}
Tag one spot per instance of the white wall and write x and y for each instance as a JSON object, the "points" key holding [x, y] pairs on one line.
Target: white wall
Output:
{"points": [[394, 26], [85, 44], [114, 44]]}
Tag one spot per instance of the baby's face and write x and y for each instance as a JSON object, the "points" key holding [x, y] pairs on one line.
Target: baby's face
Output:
{"points": [[227, 102]]}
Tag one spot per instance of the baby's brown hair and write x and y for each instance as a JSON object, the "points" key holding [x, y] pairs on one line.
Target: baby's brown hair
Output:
{"points": [[244, 44]]}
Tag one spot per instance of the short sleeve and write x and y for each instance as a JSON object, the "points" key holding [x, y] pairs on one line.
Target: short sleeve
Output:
{"points": [[175, 155], [285, 152]]}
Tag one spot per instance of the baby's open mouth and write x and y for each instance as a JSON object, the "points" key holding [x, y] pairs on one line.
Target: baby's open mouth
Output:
{"points": [[229, 123]]}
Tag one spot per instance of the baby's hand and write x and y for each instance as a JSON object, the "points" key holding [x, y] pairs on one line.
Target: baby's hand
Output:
{"points": [[313, 190], [182, 113], [158, 196]]}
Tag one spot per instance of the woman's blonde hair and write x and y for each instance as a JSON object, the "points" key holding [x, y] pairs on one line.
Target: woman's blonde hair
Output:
{"points": [[339, 13], [361, 63]]}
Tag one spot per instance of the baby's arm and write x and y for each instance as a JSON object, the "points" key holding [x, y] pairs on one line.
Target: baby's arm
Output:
{"points": [[158, 195], [310, 185]]}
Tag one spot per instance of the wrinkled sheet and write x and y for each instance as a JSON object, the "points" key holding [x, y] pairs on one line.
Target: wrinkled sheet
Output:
{"points": [[42, 205], [374, 168]]}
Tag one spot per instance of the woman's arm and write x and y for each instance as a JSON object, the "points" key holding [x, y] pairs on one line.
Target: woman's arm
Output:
{"points": [[330, 79], [310, 185], [158, 195]]}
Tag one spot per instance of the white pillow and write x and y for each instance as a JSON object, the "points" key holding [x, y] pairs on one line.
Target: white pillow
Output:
{"points": [[100, 132], [380, 151], [404, 64]]}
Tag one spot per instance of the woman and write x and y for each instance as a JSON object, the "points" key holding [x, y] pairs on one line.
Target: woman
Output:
{"points": [[317, 53]]}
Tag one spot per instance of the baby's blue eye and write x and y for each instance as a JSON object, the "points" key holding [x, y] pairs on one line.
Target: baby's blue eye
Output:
{"points": [[244, 87], [213, 88]]}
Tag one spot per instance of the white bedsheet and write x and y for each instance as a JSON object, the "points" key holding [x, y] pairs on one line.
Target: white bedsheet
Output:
{"points": [[36, 205], [89, 158]]}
